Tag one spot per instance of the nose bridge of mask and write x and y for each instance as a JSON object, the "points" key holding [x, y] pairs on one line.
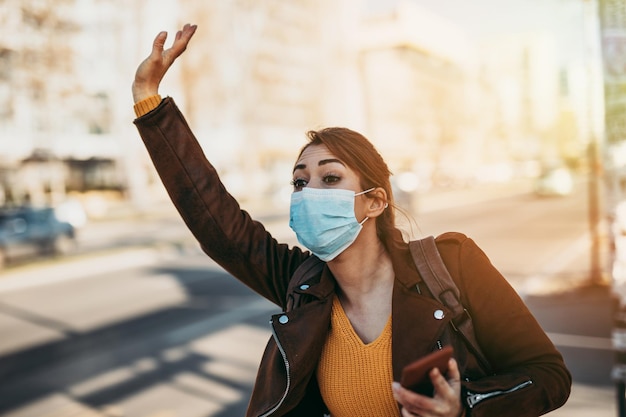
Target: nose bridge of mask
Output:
{"points": [[321, 197], [314, 205], [311, 201]]}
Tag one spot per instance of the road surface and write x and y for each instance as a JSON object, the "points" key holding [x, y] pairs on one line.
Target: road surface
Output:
{"points": [[141, 324]]}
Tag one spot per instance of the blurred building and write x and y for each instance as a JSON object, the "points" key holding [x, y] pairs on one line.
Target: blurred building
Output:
{"points": [[50, 114], [36, 74], [404, 77], [422, 92], [258, 76], [536, 113]]}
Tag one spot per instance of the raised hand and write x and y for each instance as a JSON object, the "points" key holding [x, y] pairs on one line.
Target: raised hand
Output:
{"points": [[152, 70]]}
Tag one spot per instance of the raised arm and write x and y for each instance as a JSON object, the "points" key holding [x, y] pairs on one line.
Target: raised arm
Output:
{"points": [[152, 70], [225, 232]]}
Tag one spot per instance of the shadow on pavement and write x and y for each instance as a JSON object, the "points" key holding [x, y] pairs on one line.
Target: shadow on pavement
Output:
{"points": [[38, 372]]}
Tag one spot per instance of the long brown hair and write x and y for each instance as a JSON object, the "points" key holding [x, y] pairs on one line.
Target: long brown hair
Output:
{"points": [[358, 153]]}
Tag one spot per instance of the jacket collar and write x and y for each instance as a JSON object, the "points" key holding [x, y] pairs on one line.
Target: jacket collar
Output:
{"points": [[322, 286], [404, 266]]}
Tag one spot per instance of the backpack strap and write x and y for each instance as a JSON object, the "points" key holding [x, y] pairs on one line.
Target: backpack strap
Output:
{"points": [[311, 267], [438, 280]]}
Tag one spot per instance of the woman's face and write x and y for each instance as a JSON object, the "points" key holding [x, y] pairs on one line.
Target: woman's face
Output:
{"points": [[318, 168]]}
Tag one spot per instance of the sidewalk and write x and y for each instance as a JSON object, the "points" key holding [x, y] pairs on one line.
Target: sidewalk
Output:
{"points": [[588, 401], [590, 356]]}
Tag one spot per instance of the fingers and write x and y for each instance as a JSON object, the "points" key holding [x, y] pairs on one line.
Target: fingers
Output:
{"points": [[182, 38], [448, 389], [158, 44], [406, 413], [447, 399], [187, 30], [450, 386], [412, 403], [454, 374]]}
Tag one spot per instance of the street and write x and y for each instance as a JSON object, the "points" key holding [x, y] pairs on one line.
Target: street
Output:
{"points": [[141, 324]]}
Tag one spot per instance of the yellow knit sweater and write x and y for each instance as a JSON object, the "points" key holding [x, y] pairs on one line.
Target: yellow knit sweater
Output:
{"points": [[146, 105], [355, 378]]}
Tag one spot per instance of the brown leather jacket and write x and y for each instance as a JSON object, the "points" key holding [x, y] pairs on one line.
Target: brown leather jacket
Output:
{"points": [[530, 375]]}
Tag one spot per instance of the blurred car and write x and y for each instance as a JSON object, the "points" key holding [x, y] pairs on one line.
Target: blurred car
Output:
{"points": [[30, 232], [555, 182]]}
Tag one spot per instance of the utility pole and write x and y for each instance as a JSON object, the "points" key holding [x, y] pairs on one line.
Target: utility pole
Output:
{"points": [[612, 15], [594, 154]]}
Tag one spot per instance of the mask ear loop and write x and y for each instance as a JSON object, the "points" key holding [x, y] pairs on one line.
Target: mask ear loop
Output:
{"points": [[365, 191]]}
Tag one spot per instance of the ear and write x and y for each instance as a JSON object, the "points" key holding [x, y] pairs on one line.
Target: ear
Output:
{"points": [[376, 202]]}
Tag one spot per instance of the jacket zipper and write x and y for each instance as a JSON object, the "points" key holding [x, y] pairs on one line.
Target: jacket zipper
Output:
{"points": [[284, 355], [473, 399]]}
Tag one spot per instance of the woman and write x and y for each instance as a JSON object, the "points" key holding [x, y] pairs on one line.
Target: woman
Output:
{"points": [[361, 319]]}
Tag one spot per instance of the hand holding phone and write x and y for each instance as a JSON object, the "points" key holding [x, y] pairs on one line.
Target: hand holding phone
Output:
{"points": [[416, 375]]}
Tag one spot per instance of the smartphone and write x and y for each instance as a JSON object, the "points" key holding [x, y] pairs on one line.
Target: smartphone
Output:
{"points": [[415, 376]]}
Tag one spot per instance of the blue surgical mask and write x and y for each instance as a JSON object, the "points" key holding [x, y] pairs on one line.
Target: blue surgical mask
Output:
{"points": [[324, 220]]}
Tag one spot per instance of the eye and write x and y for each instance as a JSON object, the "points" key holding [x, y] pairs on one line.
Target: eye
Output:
{"points": [[298, 183], [331, 179]]}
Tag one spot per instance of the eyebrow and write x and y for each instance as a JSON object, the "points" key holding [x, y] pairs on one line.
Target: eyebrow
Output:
{"points": [[320, 163]]}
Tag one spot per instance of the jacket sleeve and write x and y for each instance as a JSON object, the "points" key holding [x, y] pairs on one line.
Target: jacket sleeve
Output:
{"points": [[530, 378], [225, 232]]}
